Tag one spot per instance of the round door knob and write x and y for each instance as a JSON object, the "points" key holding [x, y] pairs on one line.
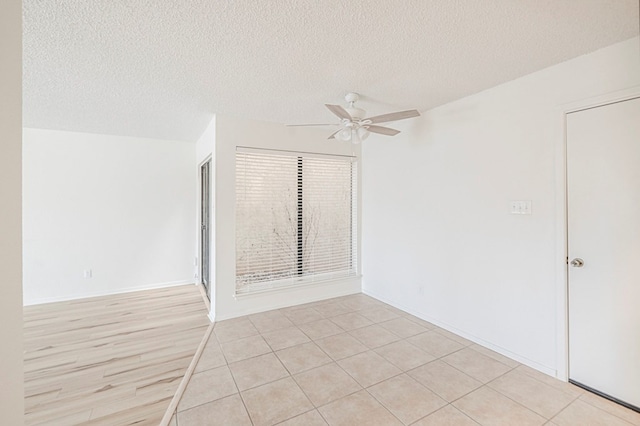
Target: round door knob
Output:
{"points": [[577, 263]]}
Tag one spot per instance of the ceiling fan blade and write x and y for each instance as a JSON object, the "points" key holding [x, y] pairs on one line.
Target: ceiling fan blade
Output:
{"points": [[309, 125], [394, 116], [333, 135], [382, 130], [339, 111]]}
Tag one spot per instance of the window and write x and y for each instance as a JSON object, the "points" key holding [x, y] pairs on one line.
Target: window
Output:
{"points": [[295, 218]]}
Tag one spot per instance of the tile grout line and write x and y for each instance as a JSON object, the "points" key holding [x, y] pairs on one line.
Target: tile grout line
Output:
{"points": [[602, 409], [561, 381], [382, 404], [563, 408], [233, 377], [508, 397], [240, 395], [530, 409], [449, 404], [238, 392]]}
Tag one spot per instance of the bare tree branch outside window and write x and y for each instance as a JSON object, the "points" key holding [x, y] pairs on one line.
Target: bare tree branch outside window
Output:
{"points": [[294, 218]]}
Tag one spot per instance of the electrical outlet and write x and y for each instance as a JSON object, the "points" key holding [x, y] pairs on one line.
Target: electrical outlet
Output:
{"points": [[88, 273], [420, 290]]}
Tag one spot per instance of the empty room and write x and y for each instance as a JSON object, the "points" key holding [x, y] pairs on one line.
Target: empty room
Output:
{"points": [[321, 213]]}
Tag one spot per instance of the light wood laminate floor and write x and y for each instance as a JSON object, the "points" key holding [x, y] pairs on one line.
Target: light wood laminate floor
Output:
{"points": [[354, 361], [112, 360]]}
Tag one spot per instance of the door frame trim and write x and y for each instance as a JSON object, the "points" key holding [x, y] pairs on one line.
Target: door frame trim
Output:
{"points": [[562, 225], [209, 158]]}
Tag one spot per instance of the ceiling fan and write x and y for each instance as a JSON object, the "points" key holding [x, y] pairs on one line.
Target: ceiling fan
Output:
{"points": [[354, 127]]}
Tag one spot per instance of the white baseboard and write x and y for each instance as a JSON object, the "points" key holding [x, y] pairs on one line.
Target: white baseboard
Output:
{"points": [[283, 301], [502, 351], [89, 294]]}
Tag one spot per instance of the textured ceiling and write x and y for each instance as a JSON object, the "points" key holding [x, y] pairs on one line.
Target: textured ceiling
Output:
{"points": [[161, 68]]}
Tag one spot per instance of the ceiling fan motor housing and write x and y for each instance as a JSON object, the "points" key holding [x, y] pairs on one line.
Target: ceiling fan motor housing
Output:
{"points": [[356, 113]]}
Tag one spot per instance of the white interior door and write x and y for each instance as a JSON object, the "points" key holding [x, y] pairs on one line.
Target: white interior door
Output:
{"points": [[603, 179]]}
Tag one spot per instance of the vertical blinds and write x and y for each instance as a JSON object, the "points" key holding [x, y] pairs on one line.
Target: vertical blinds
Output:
{"points": [[295, 218]]}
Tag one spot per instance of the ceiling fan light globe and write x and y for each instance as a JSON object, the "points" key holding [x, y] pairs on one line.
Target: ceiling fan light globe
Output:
{"points": [[344, 135], [362, 133]]}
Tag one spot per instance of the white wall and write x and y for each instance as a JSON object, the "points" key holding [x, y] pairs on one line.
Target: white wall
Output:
{"points": [[230, 133], [11, 377], [438, 239], [205, 145], [123, 207]]}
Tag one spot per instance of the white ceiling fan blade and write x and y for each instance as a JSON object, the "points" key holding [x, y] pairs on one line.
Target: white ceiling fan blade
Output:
{"points": [[394, 116], [309, 125], [333, 135], [387, 131], [339, 111]]}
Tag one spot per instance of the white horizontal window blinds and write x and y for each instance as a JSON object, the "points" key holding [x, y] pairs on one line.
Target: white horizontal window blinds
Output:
{"points": [[295, 218]]}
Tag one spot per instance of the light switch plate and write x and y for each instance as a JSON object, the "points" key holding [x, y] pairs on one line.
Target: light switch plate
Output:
{"points": [[520, 207]]}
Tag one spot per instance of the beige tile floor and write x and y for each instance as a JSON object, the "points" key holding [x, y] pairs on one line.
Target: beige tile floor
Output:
{"points": [[356, 361]]}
